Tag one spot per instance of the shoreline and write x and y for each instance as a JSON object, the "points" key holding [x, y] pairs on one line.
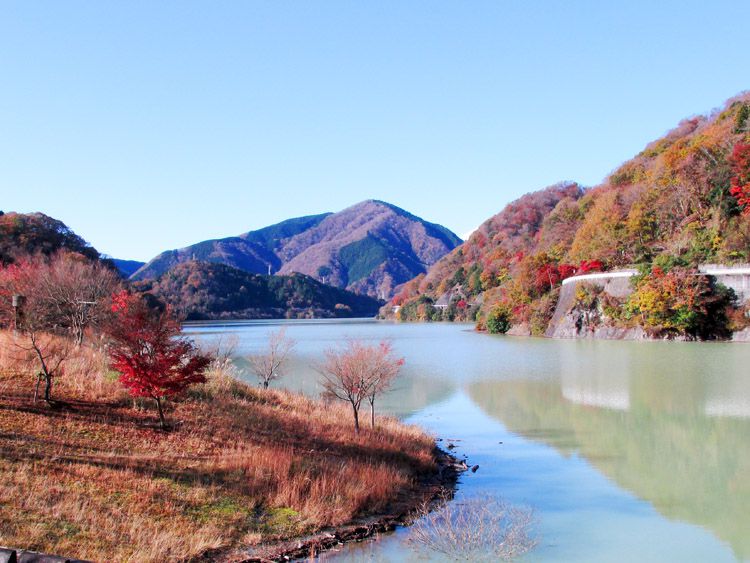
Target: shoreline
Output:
{"points": [[443, 482]]}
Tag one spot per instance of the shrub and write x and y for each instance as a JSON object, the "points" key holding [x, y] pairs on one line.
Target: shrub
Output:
{"points": [[681, 302], [542, 311], [499, 319]]}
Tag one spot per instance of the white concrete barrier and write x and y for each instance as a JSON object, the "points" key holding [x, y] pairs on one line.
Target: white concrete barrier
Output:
{"points": [[601, 276]]}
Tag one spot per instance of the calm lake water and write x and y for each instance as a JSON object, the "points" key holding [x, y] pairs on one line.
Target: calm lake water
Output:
{"points": [[627, 451]]}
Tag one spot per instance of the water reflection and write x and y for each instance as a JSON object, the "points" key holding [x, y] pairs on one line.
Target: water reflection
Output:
{"points": [[415, 389], [628, 450], [669, 424]]}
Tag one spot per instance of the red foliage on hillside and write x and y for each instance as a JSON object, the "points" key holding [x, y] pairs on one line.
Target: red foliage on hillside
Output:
{"points": [[741, 180], [685, 200]]}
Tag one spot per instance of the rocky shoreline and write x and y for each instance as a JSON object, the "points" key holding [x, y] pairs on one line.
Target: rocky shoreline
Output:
{"points": [[430, 489]]}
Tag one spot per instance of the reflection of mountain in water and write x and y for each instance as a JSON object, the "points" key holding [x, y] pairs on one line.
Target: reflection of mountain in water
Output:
{"points": [[672, 429], [410, 392]]}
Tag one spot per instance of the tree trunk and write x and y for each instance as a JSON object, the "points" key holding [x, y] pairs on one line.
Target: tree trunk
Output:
{"points": [[161, 413], [265, 384], [44, 372], [356, 418], [48, 388], [36, 389], [372, 412], [78, 336]]}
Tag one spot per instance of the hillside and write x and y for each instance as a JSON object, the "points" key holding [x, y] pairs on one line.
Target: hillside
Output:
{"points": [[681, 202], [23, 234], [97, 479], [205, 290], [127, 267], [368, 248]]}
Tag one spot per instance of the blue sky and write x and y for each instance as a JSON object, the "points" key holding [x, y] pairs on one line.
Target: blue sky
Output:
{"points": [[151, 125]]}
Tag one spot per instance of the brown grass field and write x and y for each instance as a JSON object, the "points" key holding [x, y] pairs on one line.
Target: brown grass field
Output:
{"points": [[95, 478]]}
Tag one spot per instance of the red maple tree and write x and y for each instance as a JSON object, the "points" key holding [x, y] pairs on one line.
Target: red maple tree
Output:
{"points": [[590, 266], [740, 185], [153, 360]]}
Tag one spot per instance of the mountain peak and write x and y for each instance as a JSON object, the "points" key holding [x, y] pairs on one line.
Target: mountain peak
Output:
{"points": [[369, 247]]}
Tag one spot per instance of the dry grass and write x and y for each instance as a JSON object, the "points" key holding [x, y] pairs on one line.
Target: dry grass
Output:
{"points": [[96, 478], [85, 372]]}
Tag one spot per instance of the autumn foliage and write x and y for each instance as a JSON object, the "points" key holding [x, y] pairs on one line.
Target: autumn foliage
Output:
{"points": [[679, 302], [153, 360], [684, 198], [740, 187], [57, 299]]}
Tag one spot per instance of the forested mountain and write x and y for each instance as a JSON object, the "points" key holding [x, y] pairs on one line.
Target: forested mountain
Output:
{"points": [[682, 201], [252, 252], [207, 290], [196, 290], [127, 267], [24, 234], [369, 248]]}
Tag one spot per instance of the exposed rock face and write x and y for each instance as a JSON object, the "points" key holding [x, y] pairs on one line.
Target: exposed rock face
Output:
{"points": [[369, 248], [522, 329], [570, 322]]}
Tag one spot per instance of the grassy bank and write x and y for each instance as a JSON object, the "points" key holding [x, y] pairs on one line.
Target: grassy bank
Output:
{"points": [[95, 478]]}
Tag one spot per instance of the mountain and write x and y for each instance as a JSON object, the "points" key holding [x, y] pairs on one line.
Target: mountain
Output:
{"points": [[127, 267], [252, 252], [23, 234], [682, 201], [368, 248], [208, 290]]}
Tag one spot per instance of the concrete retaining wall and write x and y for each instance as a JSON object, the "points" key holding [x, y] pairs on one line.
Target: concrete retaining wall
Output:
{"points": [[735, 277], [617, 284], [562, 325]]}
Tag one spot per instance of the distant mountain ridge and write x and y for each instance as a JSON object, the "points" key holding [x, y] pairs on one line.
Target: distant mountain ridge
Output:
{"points": [[369, 248], [206, 290], [127, 267]]}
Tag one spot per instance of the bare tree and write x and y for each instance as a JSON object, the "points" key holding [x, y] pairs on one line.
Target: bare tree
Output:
{"points": [[77, 291], [51, 352], [36, 323], [50, 301], [384, 369], [72, 292], [476, 529], [358, 372], [269, 365]]}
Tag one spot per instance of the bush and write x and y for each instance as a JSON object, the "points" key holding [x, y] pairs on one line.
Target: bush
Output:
{"points": [[542, 311], [681, 302], [499, 319]]}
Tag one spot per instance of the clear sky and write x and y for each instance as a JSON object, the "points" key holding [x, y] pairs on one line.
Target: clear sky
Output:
{"points": [[151, 125]]}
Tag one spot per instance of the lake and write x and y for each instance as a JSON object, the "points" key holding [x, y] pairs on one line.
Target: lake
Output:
{"points": [[626, 451]]}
